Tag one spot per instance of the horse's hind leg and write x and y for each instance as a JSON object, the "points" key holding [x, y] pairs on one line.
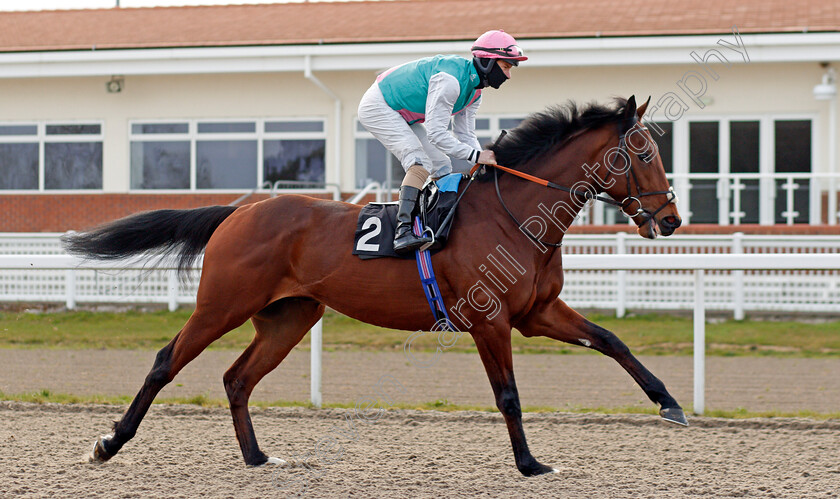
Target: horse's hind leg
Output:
{"points": [[202, 328], [557, 320], [280, 327]]}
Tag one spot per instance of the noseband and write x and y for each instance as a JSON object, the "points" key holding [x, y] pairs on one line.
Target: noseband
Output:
{"points": [[630, 173], [624, 205], [630, 199]]}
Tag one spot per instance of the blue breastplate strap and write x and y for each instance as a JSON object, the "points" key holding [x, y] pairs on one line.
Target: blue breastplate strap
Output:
{"points": [[427, 279]]}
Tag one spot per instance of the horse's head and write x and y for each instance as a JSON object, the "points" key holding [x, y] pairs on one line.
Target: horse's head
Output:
{"points": [[640, 182]]}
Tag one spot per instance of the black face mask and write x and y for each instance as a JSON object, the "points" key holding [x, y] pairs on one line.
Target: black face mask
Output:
{"points": [[489, 72], [496, 76]]}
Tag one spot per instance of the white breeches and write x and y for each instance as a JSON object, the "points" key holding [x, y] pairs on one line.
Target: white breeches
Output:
{"points": [[408, 143]]}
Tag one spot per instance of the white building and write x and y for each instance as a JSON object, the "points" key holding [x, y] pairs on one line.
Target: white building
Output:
{"points": [[106, 112]]}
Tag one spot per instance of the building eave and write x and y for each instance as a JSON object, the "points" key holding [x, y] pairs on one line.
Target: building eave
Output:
{"points": [[565, 52]]}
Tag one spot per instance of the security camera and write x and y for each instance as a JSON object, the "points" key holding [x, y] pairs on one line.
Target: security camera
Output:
{"points": [[115, 85]]}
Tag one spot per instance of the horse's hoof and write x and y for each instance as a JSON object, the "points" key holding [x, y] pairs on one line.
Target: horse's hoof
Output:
{"points": [[271, 460], [99, 454], [538, 469], [674, 415]]}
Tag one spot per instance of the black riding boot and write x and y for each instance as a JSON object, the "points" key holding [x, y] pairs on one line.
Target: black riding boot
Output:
{"points": [[404, 238]]}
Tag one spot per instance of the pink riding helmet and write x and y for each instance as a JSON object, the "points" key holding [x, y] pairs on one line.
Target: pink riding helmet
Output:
{"points": [[496, 44]]}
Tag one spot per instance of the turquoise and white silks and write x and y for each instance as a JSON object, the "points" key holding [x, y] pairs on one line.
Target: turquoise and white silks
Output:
{"points": [[408, 110]]}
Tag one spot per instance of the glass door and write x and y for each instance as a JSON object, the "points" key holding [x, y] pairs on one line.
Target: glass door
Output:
{"points": [[744, 158], [703, 158]]}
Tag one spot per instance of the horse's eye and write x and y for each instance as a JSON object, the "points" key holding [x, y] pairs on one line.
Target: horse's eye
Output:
{"points": [[644, 157]]}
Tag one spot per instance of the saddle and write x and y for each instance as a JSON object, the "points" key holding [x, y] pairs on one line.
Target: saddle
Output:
{"points": [[377, 221]]}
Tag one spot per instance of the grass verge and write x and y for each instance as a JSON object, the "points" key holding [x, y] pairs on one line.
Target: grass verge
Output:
{"points": [[645, 334], [46, 396]]}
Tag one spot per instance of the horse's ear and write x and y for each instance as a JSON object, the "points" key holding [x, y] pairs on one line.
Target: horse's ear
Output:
{"points": [[630, 108], [629, 114], [641, 110]]}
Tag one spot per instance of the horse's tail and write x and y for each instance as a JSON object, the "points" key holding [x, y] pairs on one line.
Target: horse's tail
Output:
{"points": [[181, 234]]}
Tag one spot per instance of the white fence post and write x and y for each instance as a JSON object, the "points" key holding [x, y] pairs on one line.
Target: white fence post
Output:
{"points": [[814, 202], [315, 341], [621, 277], [172, 281], [699, 343], [70, 288], [738, 276]]}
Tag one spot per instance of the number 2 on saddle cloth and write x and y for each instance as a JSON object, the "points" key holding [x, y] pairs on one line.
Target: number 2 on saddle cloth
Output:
{"points": [[375, 234]]}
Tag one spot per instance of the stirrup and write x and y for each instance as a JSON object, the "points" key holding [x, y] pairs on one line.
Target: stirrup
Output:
{"points": [[413, 242], [430, 238]]}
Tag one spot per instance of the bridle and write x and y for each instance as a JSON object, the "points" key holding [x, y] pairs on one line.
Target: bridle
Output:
{"points": [[624, 205]]}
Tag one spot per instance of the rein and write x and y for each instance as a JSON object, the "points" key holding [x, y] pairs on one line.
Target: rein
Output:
{"points": [[587, 195], [547, 183]]}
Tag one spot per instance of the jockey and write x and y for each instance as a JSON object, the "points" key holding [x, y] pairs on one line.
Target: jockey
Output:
{"points": [[430, 91]]}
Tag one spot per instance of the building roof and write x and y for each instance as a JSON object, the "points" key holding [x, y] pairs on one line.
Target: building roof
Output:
{"points": [[402, 21]]}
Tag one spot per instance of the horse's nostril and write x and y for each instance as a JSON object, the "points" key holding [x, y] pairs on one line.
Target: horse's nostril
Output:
{"points": [[671, 221]]}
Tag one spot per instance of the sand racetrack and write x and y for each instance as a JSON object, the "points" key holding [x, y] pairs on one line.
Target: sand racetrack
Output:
{"points": [[187, 451]]}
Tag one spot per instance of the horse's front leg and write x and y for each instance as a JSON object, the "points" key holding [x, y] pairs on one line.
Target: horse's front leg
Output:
{"points": [[557, 320], [494, 348]]}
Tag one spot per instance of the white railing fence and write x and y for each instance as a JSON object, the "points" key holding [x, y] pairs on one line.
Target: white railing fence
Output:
{"points": [[699, 264], [738, 291], [772, 290], [300, 187], [368, 188]]}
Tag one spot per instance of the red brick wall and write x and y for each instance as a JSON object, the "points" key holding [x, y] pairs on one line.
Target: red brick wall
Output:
{"points": [[62, 212]]}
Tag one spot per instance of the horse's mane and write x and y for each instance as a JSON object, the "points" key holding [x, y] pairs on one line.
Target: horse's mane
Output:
{"points": [[542, 132]]}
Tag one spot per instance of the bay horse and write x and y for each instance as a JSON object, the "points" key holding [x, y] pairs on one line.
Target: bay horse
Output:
{"points": [[279, 262]]}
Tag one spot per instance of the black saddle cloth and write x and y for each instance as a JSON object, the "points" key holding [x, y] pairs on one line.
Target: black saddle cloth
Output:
{"points": [[377, 223]]}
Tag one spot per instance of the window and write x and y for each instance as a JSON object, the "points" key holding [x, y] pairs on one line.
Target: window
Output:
{"points": [[664, 142], [19, 157], [744, 170], [375, 163], [226, 155], [51, 156], [703, 158], [160, 156], [792, 155], [294, 153], [744, 158], [240, 154]]}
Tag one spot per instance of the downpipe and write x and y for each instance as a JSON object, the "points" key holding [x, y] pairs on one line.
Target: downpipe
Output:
{"points": [[307, 72]]}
